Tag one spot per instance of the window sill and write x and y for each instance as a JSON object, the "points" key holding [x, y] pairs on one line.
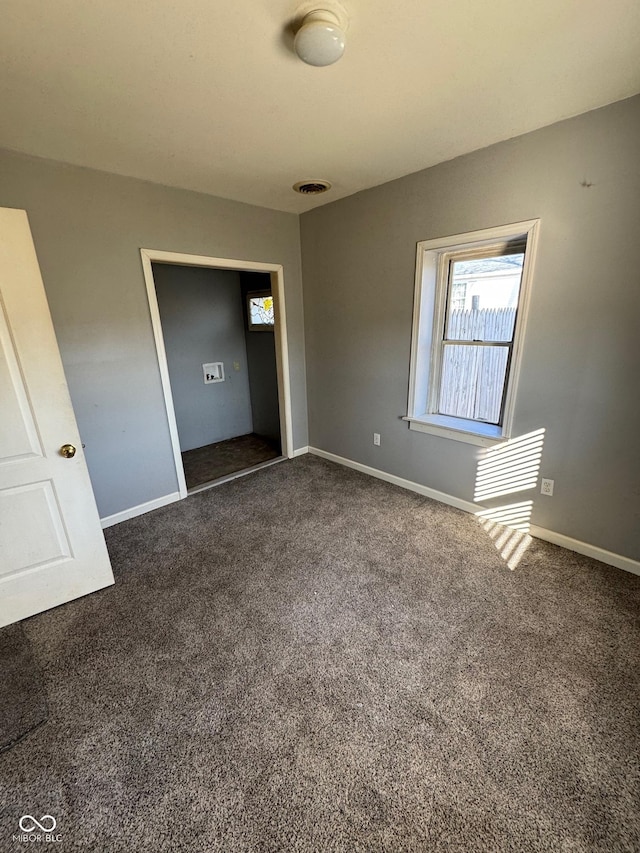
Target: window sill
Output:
{"points": [[458, 429]]}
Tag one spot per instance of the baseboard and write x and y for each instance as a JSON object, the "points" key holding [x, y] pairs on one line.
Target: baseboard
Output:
{"points": [[133, 511], [593, 551], [444, 498], [299, 452]]}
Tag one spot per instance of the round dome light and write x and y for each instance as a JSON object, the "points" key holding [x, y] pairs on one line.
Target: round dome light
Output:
{"points": [[320, 40]]}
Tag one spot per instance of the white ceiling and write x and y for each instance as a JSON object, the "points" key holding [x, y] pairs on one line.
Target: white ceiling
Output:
{"points": [[208, 95]]}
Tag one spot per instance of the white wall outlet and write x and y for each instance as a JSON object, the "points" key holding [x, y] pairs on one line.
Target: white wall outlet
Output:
{"points": [[236, 365], [376, 439], [547, 487]]}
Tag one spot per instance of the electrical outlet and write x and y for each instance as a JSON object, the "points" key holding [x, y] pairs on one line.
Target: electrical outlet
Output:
{"points": [[547, 487], [376, 439]]}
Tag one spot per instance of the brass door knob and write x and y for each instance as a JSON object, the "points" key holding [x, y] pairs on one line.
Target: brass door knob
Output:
{"points": [[68, 451]]}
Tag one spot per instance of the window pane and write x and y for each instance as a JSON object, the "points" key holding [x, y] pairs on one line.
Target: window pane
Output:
{"points": [[472, 382], [483, 298], [261, 311]]}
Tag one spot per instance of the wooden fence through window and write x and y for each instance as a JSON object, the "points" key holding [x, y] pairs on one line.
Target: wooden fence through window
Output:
{"points": [[472, 377]]}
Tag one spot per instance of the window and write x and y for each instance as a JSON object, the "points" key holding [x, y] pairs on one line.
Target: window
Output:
{"points": [[469, 316], [260, 313]]}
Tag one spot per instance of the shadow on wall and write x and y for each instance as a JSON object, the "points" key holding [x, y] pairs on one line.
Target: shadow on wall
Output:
{"points": [[505, 470]]}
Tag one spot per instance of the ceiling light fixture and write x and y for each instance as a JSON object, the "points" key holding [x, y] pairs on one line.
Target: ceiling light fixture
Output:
{"points": [[320, 36]]}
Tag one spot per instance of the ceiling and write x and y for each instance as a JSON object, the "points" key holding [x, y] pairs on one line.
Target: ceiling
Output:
{"points": [[209, 95]]}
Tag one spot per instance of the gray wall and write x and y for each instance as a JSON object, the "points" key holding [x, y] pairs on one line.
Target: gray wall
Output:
{"points": [[88, 228], [263, 376], [203, 321], [580, 371]]}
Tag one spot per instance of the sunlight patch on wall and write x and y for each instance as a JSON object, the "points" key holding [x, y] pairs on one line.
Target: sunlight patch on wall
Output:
{"points": [[504, 470], [510, 467]]}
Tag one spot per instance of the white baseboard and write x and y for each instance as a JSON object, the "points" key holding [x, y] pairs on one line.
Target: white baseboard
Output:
{"points": [[444, 498], [588, 550], [110, 520], [299, 452], [593, 551], [133, 511]]}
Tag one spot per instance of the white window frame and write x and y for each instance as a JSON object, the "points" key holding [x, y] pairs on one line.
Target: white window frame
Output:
{"points": [[429, 308]]}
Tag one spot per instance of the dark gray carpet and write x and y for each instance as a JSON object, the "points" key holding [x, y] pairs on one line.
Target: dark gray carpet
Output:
{"points": [[212, 461], [307, 659], [23, 701]]}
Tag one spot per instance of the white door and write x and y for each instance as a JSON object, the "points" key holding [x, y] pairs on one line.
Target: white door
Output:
{"points": [[51, 545]]}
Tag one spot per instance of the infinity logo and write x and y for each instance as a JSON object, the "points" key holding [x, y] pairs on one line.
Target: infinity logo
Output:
{"points": [[26, 826]]}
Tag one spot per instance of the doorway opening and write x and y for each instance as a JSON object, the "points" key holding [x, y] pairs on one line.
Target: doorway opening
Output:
{"points": [[220, 333]]}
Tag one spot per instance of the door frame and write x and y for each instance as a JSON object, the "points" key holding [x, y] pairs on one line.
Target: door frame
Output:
{"points": [[276, 273]]}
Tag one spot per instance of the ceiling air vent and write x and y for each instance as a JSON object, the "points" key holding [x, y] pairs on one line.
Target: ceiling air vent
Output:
{"points": [[312, 187]]}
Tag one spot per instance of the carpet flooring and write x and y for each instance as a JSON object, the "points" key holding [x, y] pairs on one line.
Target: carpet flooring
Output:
{"points": [[308, 659], [23, 701], [212, 461]]}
